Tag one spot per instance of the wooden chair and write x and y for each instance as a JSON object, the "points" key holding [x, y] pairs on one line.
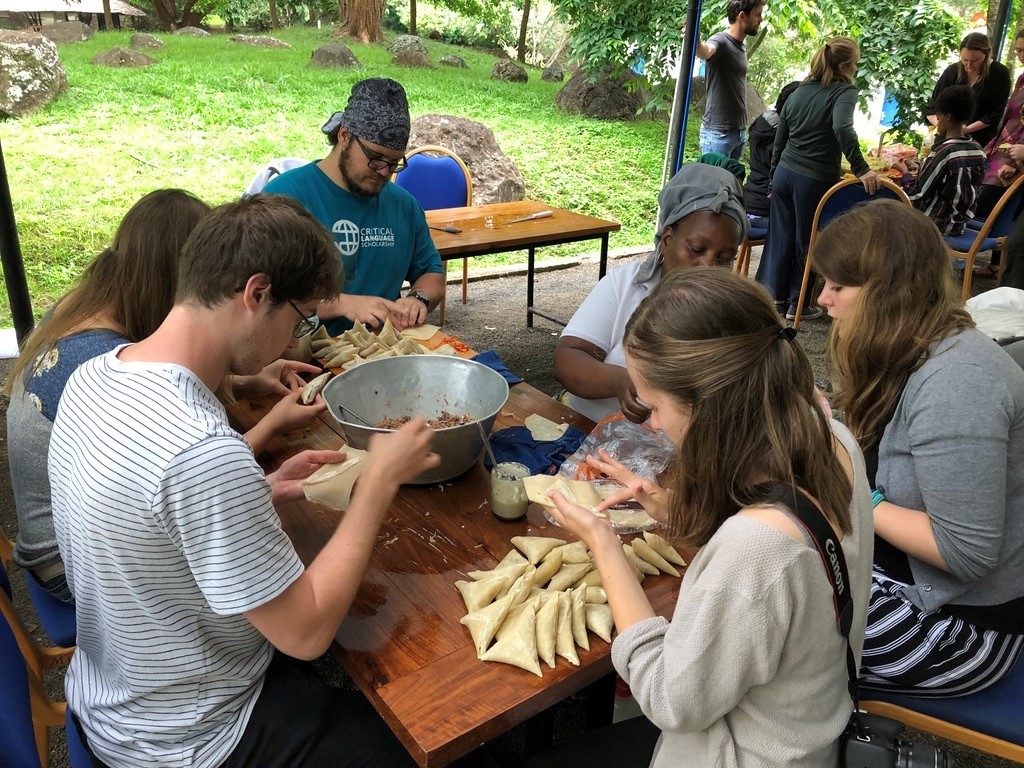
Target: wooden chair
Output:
{"points": [[840, 198], [45, 712], [989, 236], [991, 721], [438, 178]]}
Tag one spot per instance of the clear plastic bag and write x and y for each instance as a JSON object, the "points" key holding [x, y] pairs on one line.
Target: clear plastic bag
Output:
{"points": [[641, 449]]}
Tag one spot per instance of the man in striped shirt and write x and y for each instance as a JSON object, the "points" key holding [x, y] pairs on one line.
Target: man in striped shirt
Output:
{"points": [[184, 582], [946, 186]]}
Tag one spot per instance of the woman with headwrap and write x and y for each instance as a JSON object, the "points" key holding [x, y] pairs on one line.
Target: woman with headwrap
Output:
{"points": [[701, 222]]}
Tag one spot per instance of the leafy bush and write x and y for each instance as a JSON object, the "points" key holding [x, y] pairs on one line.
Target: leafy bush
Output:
{"points": [[490, 28]]}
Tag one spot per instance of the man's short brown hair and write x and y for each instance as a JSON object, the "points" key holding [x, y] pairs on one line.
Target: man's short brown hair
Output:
{"points": [[262, 234]]}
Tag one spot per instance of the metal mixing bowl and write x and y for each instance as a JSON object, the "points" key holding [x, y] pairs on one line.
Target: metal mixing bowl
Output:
{"points": [[420, 385]]}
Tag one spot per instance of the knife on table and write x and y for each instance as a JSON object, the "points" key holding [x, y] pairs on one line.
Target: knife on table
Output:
{"points": [[533, 216], [449, 230]]}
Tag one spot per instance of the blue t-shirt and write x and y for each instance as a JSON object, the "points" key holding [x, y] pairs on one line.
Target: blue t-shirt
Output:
{"points": [[382, 240]]}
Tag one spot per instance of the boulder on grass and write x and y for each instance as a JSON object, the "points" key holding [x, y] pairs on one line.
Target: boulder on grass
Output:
{"points": [[146, 40], [602, 96], [496, 179], [553, 74], [407, 42], [192, 32], [410, 57], [31, 74], [122, 57], [508, 71], [333, 55], [453, 61], [67, 31], [260, 41]]}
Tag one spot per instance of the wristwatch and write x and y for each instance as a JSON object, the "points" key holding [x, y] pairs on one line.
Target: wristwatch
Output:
{"points": [[417, 294]]}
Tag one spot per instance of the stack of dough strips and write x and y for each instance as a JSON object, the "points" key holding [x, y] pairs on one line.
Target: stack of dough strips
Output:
{"points": [[541, 599]]}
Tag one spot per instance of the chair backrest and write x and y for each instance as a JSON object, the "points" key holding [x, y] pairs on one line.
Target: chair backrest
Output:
{"points": [[17, 735], [847, 193], [437, 180], [1004, 212], [56, 616]]}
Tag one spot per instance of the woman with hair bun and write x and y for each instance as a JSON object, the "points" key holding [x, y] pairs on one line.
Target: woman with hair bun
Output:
{"points": [[815, 129]]}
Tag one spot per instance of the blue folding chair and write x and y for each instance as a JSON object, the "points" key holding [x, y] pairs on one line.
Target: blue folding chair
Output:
{"points": [[986, 235], [27, 711], [438, 180], [990, 721], [56, 616], [840, 198], [756, 236]]}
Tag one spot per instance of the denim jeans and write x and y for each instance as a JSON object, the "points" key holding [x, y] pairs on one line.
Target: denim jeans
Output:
{"points": [[728, 143]]}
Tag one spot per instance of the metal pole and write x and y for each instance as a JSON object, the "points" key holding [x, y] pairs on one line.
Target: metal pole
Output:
{"points": [[681, 100], [10, 258], [1000, 29]]}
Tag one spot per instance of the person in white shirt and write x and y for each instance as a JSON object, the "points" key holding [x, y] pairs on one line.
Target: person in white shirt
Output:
{"points": [[701, 222], [192, 604]]}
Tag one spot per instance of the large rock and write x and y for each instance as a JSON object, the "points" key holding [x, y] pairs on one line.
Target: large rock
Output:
{"points": [[601, 96], [67, 31], [260, 41], [453, 61], [122, 57], [410, 57], [146, 40], [496, 179], [508, 71], [31, 74], [553, 74], [333, 55], [406, 43], [192, 32]]}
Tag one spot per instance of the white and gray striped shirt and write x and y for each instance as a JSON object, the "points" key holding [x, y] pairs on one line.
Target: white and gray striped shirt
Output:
{"points": [[168, 534]]}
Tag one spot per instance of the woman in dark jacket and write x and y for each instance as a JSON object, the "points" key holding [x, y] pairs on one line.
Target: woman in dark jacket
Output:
{"points": [[989, 80]]}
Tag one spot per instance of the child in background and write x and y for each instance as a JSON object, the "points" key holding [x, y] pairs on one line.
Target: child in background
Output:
{"points": [[946, 187]]}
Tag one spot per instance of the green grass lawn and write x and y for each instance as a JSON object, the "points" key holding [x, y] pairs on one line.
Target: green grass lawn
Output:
{"points": [[210, 112]]}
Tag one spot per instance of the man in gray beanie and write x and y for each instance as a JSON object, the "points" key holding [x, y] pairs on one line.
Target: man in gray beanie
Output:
{"points": [[379, 229]]}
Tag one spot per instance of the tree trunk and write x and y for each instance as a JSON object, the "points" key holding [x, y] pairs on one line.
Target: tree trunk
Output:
{"points": [[523, 28], [108, 17], [990, 19], [363, 19], [167, 14], [412, 17], [275, 20]]}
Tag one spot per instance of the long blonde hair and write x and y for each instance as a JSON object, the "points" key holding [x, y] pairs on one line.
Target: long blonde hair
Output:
{"points": [[908, 301], [829, 62], [131, 283], [714, 343]]}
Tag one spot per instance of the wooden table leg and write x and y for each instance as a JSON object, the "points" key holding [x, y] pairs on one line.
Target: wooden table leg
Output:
{"points": [[603, 264]]}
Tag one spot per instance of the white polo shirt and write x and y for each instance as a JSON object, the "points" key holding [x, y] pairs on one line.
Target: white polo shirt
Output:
{"points": [[602, 317], [168, 535]]}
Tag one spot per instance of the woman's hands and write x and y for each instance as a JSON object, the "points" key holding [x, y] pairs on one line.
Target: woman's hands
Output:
{"points": [[870, 182], [651, 496]]}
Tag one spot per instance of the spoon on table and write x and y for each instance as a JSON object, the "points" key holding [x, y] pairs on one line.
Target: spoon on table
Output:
{"points": [[487, 444]]}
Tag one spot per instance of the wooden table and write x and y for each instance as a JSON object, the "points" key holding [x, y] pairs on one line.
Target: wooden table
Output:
{"points": [[402, 643], [485, 229]]}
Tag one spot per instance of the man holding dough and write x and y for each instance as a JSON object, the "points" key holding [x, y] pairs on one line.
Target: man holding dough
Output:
{"points": [[379, 230], [192, 605]]}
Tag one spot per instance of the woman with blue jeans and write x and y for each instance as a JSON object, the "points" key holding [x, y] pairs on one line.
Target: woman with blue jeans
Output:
{"points": [[815, 128]]}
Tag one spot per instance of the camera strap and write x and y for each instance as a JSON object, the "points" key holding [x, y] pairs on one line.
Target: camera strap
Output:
{"points": [[826, 542]]}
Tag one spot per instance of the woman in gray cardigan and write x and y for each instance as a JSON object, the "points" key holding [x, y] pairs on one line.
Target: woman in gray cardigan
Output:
{"points": [[939, 410], [751, 669]]}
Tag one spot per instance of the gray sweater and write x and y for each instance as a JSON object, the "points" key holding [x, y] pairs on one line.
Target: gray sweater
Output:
{"points": [[955, 449], [751, 670]]}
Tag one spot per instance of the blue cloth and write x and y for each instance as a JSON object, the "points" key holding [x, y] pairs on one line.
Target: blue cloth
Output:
{"points": [[490, 358], [382, 240], [542, 457]]}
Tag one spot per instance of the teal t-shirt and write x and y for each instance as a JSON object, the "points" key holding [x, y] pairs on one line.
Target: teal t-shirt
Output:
{"points": [[382, 240]]}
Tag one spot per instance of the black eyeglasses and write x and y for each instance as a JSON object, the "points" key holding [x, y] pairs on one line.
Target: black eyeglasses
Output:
{"points": [[378, 162], [306, 324]]}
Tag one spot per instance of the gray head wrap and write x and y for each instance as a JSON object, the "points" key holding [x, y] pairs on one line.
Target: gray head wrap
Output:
{"points": [[696, 187], [377, 111]]}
